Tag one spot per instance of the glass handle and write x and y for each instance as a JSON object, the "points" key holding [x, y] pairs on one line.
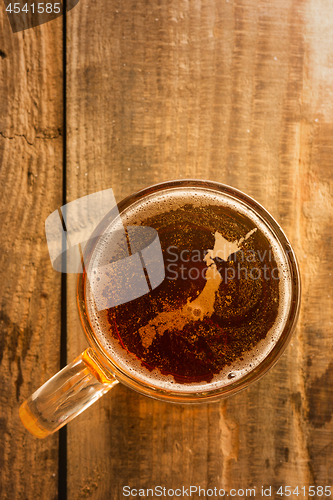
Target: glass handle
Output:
{"points": [[66, 395]]}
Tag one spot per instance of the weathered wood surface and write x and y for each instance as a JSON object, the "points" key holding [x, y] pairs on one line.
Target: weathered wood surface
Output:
{"points": [[31, 115], [236, 91]]}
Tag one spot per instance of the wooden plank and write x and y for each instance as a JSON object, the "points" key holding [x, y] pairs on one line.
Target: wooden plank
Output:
{"points": [[31, 188], [239, 92]]}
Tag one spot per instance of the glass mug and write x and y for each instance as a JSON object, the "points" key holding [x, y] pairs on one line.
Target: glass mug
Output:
{"points": [[218, 317]]}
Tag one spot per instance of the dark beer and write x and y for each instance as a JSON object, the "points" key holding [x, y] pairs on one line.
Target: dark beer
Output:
{"points": [[221, 305]]}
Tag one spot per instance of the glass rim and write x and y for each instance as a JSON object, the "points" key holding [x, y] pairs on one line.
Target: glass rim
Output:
{"points": [[258, 371]]}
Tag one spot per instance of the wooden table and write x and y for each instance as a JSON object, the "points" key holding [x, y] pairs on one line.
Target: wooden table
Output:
{"points": [[236, 91]]}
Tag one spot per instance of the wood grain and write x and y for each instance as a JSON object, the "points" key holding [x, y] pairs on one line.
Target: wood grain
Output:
{"points": [[239, 92], [236, 91], [31, 185]]}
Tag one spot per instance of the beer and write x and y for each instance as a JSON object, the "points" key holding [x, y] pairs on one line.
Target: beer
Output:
{"points": [[223, 303]]}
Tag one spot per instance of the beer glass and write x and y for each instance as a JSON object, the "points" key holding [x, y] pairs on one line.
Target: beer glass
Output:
{"points": [[218, 317]]}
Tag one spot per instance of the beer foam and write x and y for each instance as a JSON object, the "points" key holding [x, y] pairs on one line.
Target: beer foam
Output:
{"points": [[157, 204]]}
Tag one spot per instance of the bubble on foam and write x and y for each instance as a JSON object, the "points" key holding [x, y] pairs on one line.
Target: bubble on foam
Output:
{"points": [[126, 361]]}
